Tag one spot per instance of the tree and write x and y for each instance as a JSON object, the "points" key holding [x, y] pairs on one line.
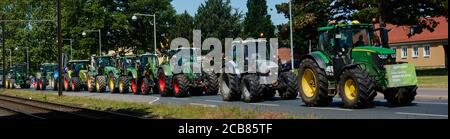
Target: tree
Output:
{"points": [[184, 25], [257, 20], [215, 18]]}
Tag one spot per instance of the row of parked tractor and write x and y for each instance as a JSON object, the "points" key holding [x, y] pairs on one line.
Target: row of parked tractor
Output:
{"points": [[348, 62]]}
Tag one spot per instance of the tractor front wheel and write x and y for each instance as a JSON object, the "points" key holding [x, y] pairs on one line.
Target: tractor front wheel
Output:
{"points": [[112, 84], [100, 84], [43, 84], [134, 86], [123, 85], [75, 83], [36, 84], [164, 84], [356, 88], [251, 89], [145, 86], [12, 84], [91, 84], [313, 84], [67, 84], [401, 97], [212, 84], [229, 87], [180, 87]]}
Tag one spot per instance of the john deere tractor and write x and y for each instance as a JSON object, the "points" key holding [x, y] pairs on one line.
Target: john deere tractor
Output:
{"points": [[45, 76], [257, 85], [18, 76], [187, 83], [350, 61], [101, 70], [76, 75]]}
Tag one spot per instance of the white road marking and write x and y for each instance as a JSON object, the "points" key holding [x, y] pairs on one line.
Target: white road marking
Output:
{"points": [[335, 109], [180, 98], [422, 114], [265, 104], [434, 103], [216, 101], [204, 105], [153, 101]]}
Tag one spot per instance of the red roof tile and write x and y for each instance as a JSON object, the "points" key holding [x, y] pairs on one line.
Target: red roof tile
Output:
{"points": [[398, 34]]}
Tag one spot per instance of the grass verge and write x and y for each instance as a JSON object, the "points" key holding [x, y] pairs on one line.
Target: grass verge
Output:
{"points": [[157, 111]]}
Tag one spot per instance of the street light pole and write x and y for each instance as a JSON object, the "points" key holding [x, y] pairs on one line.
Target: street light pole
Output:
{"points": [[291, 35], [154, 26], [59, 38], [99, 39]]}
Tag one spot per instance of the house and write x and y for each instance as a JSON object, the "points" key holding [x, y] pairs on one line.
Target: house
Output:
{"points": [[425, 50]]}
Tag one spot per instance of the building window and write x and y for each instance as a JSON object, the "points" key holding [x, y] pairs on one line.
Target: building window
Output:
{"points": [[415, 52], [404, 52], [426, 51], [395, 51]]}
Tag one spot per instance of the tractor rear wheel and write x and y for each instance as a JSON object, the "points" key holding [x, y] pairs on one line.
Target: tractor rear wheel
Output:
{"points": [[212, 84], [37, 86], [288, 89], [12, 84], [67, 84], [145, 86], [43, 84], [313, 84], [112, 84], [75, 83], [100, 84], [251, 89], [401, 97], [164, 84], [356, 88], [135, 86], [123, 85], [229, 87], [7, 84], [180, 86], [91, 84]]}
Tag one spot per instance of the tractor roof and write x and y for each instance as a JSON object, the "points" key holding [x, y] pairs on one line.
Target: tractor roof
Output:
{"points": [[346, 26], [49, 64], [78, 61]]}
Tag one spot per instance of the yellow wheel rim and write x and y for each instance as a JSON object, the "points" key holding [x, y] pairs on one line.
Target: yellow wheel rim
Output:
{"points": [[309, 83], [7, 84], [89, 83], [97, 85], [111, 84], [120, 86], [350, 90]]}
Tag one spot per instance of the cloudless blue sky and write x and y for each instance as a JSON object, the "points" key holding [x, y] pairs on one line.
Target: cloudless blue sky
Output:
{"points": [[191, 7]]}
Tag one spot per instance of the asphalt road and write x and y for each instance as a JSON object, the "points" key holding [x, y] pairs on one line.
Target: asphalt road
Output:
{"points": [[429, 104]]}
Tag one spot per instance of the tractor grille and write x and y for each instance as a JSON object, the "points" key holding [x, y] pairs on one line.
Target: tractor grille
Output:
{"points": [[381, 62]]}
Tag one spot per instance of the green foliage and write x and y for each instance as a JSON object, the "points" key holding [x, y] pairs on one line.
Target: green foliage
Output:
{"points": [[257, 20], [183, 26]]}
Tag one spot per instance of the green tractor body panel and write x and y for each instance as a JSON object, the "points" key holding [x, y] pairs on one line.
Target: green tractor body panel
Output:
{"points": [[112, 70], [167, 68], [83, 75], [133, 72]]}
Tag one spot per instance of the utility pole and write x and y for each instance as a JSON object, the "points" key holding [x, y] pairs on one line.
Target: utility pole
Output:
{"points": [[58, 32], [3, 55], [291, 35]]}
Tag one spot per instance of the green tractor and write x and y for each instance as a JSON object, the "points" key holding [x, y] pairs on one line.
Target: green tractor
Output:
{"points": [[350, 61], [239, 83], [18, 76], [143, 79], [187, 83], [45, 76], [76, 75], [127, 71], [102, 69]]}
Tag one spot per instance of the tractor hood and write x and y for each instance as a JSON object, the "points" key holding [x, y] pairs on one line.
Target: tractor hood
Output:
{"points": [[371, 49]]}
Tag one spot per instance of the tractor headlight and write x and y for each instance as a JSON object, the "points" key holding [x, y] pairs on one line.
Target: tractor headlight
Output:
{"points": [[394, 55], [382, 56]]}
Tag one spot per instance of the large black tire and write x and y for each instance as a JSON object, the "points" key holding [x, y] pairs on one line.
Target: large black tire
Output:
{"points": [[401, 96], [212, 84], [76, 84], [229, 87], [91, 84], [145, 86], [180, 86], [135, 88], [43, 84], [7, 83], [37, 83], [251, 88], [67, 83], [100, 83], [364, 88], [319, 97], [124, 85], [164, 84], [288, 88], [112, 84]]}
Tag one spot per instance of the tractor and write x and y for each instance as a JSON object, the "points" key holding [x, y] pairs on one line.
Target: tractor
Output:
{"points": [[101, 70], [45, 76], [187, 83], [351, 62], [143, 80], [239, 83], [18, 76], [76, 75], [127, 71]]}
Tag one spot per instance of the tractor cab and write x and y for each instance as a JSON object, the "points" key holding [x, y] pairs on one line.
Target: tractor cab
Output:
{"points": [[48, 67], [104, 61], [149, 59]]}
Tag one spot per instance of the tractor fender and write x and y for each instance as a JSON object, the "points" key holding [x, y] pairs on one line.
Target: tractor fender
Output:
{"points": [[350, 66], [167, 69], [133, 73], [112, 70], [320, 58]]}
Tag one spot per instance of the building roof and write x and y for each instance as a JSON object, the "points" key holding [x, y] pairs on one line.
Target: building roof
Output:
{"points": [[398, 34]]}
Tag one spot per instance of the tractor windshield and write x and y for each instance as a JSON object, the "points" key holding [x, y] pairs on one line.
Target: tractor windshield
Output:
{"points": [[105, 62], [148, 59], [49, 68], [80, 65], [349, 38]]}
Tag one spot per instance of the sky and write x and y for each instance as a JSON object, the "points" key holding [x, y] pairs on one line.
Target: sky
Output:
{"points": [[191, 7]]}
